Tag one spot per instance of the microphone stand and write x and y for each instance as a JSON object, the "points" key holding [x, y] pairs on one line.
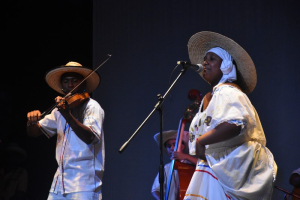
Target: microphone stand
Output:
{"points": [[157, 107]]}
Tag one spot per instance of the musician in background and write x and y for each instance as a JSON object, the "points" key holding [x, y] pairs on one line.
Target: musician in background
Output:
{"points": [[13, 174], [169, 141], [80, 139], [295, 181]]}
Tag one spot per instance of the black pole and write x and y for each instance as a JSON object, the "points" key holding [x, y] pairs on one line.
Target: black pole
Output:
{"points": [[161, 163], [157, 107], [159, 103]]}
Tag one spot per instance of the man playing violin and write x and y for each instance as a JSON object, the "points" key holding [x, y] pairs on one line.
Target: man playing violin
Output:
{"points": [[169, 142], [77, 121]]}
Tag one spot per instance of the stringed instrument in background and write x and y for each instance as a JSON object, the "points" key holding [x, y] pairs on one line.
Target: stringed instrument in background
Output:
{"points": [[296, 193], [185, 170]]}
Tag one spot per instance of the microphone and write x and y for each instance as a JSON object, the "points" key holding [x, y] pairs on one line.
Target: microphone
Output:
{"points": [[197, 68]]}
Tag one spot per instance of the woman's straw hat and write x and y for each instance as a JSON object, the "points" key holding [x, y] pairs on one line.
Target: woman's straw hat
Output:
{"points": [[53, 76], [203, 41]]}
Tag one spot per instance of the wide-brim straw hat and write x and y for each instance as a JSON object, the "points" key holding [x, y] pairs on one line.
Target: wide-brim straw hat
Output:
{"points": [[53, 76], [203, 41], [169, 135]]}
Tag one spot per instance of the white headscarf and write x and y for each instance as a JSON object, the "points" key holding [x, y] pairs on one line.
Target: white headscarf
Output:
{"points": [[227, 67]]}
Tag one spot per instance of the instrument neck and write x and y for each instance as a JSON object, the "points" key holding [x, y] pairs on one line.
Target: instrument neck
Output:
{"points": [[179, 142]]}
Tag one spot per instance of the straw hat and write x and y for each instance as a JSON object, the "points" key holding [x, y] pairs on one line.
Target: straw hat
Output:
{"points": [[53, 76], [203, 41], [172, 134]]}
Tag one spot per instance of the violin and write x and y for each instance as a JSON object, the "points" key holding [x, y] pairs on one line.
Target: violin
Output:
{"points": [[74, 100]]}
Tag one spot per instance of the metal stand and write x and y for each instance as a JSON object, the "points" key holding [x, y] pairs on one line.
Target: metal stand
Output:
{"points": [[157, 107], [161, 162]]}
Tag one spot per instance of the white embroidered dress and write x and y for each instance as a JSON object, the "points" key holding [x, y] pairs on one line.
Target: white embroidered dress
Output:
{"points": [[238, 168]]}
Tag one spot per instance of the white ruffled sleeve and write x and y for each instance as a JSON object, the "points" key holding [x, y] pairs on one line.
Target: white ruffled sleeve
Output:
{"points": [[230, 105]]}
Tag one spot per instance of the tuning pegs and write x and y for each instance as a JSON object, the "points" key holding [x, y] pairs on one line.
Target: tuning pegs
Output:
{"points": [[194, 95]]}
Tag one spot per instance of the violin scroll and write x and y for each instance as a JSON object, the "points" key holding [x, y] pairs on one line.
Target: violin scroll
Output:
{"points": [[194, 95], [192, 109]]}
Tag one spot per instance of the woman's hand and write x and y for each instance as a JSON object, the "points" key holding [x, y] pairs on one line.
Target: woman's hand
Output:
{"points": [[200, 150]]}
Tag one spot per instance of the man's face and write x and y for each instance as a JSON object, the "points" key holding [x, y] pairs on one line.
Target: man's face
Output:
{"points": [[70, 80], [170, 145]]}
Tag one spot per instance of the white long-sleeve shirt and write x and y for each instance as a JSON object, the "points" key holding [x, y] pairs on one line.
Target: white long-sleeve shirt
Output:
{"points": [[80, 166]]}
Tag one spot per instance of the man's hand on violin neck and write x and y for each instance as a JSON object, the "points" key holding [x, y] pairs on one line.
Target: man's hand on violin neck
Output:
{"points": [[58, 99], [62, 104], [63, 107], [34, 116]]}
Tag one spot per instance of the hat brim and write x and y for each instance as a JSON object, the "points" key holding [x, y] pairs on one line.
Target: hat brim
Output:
{"points": [[203, 41], [172, 135], [53, 77]]}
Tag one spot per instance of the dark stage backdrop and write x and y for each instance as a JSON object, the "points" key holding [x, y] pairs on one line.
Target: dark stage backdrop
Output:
{"points": [[147, 38], [36, 37]]}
